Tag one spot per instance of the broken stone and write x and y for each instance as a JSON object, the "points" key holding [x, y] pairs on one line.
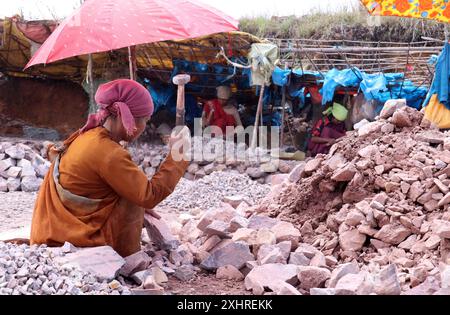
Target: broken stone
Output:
{"points": [[245, 235], [285, 231], [6, 164], [393, 234], [370, 128], [415, 191], [444, 201], [255, 172], [134, 263], [13, 172], [13, 184], [401, 119], [312, 277], [30, 184], [15, 152], [229, 272], [159, 275], [442, 228], [312, 165], [433, 242], [341, 271], [284, 288], [345, 174], [269, 276], [354, 284], [233, 201], [235, 254], [103, 262], [386, 283], [273, 257], [299, 259], [237, 223], [160, 233], [257, 222], [210, 243], [226, 213], [322, 291], [184, 273], [297, 173], [391, 106], [368, 152], [265, 236], [218, 228], [352, 240]]}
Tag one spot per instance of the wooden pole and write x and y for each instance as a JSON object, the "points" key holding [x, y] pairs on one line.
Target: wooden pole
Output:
{"points": [[258, 113], [132, 61], [90, 77]]}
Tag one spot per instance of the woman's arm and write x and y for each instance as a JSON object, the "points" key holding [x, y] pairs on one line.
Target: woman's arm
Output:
{"points": [[321, 140], [129, 182]]}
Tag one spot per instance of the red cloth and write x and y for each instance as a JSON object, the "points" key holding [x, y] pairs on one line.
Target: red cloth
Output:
{"points": [[220, 118], [325, 128], [125, 98]]}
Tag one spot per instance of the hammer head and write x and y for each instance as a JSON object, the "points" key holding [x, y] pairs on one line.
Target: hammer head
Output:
{"points": [[181, 79]]}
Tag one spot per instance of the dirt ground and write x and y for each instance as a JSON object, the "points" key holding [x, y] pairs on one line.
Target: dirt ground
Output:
{"points": [[16, 209]]}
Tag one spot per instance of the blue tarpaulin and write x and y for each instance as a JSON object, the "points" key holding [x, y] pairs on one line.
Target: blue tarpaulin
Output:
{"points": [[441, 80]]}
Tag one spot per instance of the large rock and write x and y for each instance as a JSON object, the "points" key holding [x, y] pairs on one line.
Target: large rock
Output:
{"points": [[297, 173], [15, 152], [235, 254], [313, 277], [3, 185], [312, 165], [352, 240], [269, 276], [391, 106], [341, 271], [257, 222], [285, 231], [442, 228], [225, 213], [387, 283], [13, 172], [102, 262], [245, 235], [370, 128], [344, 174], [431, 136], [160, 233], [229, 272], [6, 164], [255, 172], [355, 284], [401, 119], [13, 184], [218, 228], [368, 151], [134, 263], [31, 183], [393, 234]]}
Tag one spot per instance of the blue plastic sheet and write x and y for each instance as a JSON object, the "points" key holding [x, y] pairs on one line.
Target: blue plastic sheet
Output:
{"points": [[280, 77], [335, 78], [441, 80]]}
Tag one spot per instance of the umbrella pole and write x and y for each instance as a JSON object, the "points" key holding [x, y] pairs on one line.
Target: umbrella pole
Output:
{"points": [[132, 61], [258, 113], [90, 78]]}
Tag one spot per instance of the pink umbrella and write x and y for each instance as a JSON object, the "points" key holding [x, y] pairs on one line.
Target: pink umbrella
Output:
{"points": [[103, 25]]}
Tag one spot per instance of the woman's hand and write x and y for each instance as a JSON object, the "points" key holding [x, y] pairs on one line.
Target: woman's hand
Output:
{"points": [[180, 143]]}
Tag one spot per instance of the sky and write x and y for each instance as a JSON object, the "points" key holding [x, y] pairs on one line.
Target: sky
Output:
{"points": [[49, 9]]}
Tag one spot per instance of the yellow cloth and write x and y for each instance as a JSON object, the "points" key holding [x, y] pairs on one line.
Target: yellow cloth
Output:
{"points": [[438, 10], [437, 113]]}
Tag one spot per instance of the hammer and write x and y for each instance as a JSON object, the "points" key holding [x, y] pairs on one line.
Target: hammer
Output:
{"points": [[180, 80]]}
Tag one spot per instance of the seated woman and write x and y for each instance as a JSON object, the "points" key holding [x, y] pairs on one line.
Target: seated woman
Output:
{"points": [[214, 113], [94, 194], [231, 108], [328, 129]]}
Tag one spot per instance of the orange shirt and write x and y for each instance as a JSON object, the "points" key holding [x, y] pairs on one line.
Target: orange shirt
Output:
{"points": [[96, 167]]}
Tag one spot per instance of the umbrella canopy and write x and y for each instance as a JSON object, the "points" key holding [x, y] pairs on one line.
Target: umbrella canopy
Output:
{"points": [[438, 10], [103, 25]]}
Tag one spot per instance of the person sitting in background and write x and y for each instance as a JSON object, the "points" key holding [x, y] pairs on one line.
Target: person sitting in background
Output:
{"points": [[214, 113], [327, 129], [231, 108]]}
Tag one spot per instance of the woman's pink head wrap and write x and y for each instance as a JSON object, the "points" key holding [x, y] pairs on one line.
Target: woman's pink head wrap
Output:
{"points": [[125, 98]]}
